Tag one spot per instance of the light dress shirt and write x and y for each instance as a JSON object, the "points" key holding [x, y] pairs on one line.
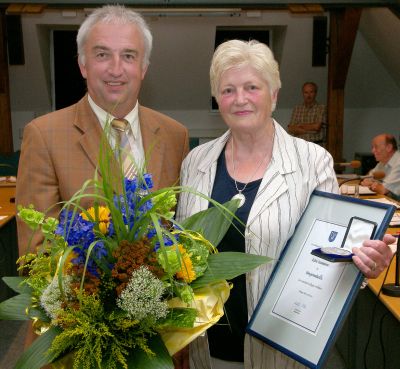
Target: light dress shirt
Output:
{"points": [[134, 134], [392, 173]]}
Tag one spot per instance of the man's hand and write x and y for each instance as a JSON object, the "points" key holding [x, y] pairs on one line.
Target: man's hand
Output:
{"points": [[296, 130], [181, 359], [374, 256], [299, 129], [367, 182], [379, 188]]}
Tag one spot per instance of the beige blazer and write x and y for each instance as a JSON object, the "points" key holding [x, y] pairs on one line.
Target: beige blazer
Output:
{"points": [[60, 152], [296, 169]]}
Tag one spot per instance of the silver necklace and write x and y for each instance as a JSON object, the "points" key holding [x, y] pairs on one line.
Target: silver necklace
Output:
{"points": [[240, 196]]}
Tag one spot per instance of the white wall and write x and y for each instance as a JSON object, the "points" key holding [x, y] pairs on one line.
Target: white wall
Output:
{"points": [[361, 125], [177, 82]]}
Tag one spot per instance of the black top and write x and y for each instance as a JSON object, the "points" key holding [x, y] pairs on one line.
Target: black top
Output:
{"points": [[226, 338]]}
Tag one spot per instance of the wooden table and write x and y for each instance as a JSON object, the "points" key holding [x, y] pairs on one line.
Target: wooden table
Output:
{"points": [[392, 303], [370, 337], [7, 202], [8, 237]]}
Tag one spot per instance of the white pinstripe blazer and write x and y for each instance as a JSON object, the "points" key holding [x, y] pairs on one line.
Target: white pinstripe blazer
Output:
{"points": [[296, 169]]}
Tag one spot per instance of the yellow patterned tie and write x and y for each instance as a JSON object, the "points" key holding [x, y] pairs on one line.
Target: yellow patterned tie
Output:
{"points": [[121, 128]]}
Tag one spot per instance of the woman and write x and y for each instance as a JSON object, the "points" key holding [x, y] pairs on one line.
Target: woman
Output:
{"points": [[273, 174]]}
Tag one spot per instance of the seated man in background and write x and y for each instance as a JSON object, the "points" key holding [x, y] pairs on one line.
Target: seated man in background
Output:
{"points": [[308, 119], [384, 148]]}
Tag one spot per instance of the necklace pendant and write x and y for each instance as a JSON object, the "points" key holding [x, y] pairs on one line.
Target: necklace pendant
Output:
{"points": [[239, 196]]}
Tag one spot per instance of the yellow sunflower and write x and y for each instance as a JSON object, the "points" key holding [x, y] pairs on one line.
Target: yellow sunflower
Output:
{"points": [[187, 272], [101, 215]]}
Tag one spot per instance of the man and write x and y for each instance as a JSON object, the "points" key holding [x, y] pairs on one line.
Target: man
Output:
{"points": [[308, 119], [60, 150], [384, 148]]}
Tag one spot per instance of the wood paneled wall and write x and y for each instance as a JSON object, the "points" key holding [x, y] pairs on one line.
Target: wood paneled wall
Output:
{"points": [[6, 139]]}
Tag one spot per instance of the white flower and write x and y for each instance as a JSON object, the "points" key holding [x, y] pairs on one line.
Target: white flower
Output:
{"points": [[142, 296], [51, 298]]}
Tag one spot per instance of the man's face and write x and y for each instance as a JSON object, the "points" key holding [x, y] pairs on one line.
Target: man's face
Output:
{"points": [[114, 67], [309, 94], [381, 150]]}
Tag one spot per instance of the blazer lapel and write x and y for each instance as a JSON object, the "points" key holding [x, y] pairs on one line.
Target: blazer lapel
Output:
{"points": [[153, 146], [87, 122]]}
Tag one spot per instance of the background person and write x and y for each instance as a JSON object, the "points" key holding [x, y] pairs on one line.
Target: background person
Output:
{"points": [[274, 174], [308, 120], [384, 148]]}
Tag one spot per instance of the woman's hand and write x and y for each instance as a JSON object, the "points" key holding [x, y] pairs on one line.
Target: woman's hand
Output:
{"points": [[374, 256]]}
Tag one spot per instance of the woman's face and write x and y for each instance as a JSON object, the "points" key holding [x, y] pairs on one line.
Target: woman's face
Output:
{"points": [[244, 99]]}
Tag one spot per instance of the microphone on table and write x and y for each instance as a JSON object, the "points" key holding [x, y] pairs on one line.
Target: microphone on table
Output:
{"points": [[352, 164], [393, 289], [378, 175]]}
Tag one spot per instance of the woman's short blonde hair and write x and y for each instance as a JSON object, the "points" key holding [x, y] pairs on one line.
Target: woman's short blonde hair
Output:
{"points": [[237, 53]]}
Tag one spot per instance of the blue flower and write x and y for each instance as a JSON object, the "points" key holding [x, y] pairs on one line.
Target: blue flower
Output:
{"points": [[80, 233], [130, 185], [148, 182], [75, 230], [128, 206], [167, 242]]}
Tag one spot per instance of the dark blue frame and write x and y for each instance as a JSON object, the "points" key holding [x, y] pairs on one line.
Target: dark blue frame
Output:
{"points": [[379, 233]]}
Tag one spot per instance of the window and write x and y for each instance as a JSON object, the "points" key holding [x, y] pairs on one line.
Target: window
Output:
{"points": [[68, 83]]}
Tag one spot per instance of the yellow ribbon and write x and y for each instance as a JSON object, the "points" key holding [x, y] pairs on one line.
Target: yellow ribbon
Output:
{"points": [[209, 303]]}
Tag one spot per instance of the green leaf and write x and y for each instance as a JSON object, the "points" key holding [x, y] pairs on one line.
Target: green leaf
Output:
{"points": [[228, 265], [162, 360], [178, 318], [212, 222], [15, 283], [37, 355], [15, 307]]}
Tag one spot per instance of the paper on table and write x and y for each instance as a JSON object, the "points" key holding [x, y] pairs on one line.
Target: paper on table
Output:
{"points": [[384, 200], [396, 216], [395, 220], [393, 246], [347, 176], [350, 190], [364, 190]]}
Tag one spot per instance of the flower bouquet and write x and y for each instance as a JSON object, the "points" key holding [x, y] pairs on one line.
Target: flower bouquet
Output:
{"points": [[121, 284]]}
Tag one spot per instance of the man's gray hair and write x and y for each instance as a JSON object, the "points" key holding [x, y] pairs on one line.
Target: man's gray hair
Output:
{"points": [[114, 14]]}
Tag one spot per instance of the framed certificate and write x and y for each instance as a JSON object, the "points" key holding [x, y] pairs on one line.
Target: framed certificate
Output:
{"points": [[307, 298]]}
